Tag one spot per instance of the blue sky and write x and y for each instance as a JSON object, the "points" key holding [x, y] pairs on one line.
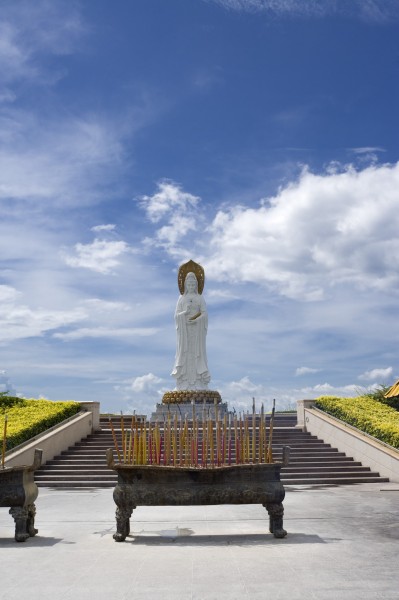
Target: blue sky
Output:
{"points": [[259, 138]]}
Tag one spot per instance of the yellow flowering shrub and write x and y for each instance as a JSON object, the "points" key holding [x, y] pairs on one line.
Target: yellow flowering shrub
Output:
{"points": [[365, 413], [27, 418]]}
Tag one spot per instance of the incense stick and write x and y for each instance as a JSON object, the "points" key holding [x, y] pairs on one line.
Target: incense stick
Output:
{"points": [[3, 453], [196, 443]]}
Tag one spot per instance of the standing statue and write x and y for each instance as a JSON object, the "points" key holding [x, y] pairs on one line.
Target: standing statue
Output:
{"points": [[191, 318]]}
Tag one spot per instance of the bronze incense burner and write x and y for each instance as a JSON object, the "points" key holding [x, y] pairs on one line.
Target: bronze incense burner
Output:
{"points": [[155, 485], [19, 491]]}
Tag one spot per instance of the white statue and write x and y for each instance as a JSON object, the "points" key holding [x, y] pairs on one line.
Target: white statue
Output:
{"points": [[191, 367]]}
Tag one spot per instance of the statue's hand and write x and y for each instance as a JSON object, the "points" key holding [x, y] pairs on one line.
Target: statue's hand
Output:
{"points": [[195, 316]]}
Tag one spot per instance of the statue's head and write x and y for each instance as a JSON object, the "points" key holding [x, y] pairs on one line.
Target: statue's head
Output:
{"points": [[190, 284], [191, 268]]}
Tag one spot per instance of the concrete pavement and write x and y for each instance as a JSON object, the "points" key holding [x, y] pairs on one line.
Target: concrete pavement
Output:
{"points": [[342, 542]]}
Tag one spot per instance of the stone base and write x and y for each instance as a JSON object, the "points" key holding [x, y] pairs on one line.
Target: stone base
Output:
{"points": [[183, 410]]}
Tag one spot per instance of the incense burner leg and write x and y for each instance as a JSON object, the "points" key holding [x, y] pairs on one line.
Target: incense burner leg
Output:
{"points": [[20, 516], [122, 523], [30, 525], [276, 512]]}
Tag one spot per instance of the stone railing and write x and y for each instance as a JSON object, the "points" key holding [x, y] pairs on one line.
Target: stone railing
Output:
{"points": [[346, 438], [58, 438]]}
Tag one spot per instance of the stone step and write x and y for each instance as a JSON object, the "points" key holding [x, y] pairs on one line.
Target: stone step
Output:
{"points": [[344, 480], [289, 417], [325, 469], [89, 484], [102, 443], [295, 450], [276, 431], [312, 462], [70, 466], [72, 476], [277, 452], [96, 448], [277, 439], [70, 470], [328, 474]]}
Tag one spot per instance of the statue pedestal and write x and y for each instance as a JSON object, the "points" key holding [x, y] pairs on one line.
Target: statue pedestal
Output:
{"points": [[186, 409], [187, 403]]}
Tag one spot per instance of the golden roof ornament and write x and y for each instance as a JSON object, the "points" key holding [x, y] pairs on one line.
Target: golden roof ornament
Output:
{"points": [[191, 267]]}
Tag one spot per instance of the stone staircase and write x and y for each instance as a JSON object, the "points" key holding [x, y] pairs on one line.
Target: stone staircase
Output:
{"points": [[312, 462]]}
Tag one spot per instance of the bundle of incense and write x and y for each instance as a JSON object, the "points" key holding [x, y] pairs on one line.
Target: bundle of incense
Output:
{"points": [[195, 443]]}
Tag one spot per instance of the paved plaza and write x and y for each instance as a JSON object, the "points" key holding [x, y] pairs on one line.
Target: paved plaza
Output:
{"points": [[342, 543]]}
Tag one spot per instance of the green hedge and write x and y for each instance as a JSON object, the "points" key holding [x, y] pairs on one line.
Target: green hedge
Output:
{"points": [[27, 418], [379, 394], [365, 413]]}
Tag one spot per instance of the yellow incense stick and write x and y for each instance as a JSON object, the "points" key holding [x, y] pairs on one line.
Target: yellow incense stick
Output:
{"points": [[115, 441], [269, 449], [253, 457], [129, 452], [3, 454], [123, 438], [210, 437]]}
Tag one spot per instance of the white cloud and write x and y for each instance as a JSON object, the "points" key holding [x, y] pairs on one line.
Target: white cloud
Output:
{"points": [[169, 198], [5, 383], [239, 394], [47, 154], [28, 30], [15, 55], [140, 394], [245, 384], [222, 295], [18, 321], [145, 383], [58, 155], [326, 389], [122, 333], [322, 231], [367, 155], [8, 294], [7, 95], [98, 228], [369, 10], [375, 374], [367, 150], [179, 212], [179, 226], [57, 160], [99, 305], [100, 256], [305, 371]]}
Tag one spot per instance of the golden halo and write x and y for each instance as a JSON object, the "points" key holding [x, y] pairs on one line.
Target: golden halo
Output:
{"points": [[191, 267]]}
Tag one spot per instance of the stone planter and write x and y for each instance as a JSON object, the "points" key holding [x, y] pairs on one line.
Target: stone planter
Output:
{"points": [[152, 485], [19, 491]]}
